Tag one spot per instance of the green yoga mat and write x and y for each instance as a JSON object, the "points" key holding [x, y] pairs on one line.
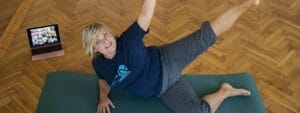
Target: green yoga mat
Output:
{"points": [[69, 92]]}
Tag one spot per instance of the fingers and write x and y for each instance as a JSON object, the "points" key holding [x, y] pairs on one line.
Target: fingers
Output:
{"points": [[105, 105], [103, 109], [107, 109], [98, 109], [111, 104]]}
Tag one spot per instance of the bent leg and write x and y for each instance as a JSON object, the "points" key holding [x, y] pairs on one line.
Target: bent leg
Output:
{"points": [[181, 98]]}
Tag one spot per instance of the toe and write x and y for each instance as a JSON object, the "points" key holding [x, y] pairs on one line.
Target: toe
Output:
{"points": [[246, 92]]}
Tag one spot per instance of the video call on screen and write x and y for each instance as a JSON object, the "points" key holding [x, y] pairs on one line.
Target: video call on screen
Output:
{"points": [[43, 36]]}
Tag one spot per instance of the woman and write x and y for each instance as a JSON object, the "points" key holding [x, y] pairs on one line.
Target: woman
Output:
{"points": [[155, 71]]}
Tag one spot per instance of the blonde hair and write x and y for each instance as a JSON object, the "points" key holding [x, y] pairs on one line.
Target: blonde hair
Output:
{"points": [[89, 36]]}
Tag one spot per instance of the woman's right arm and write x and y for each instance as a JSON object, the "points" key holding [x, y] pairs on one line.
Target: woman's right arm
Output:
{"points": [[104, 102], [103, 87]]}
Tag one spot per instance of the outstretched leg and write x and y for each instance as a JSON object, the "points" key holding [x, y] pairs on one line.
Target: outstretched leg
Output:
{"points": [[182, 98], [177, 55], [225, 21], [220, 25]]}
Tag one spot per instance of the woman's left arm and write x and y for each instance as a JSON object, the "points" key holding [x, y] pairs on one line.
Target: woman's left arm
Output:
{"points": [[146, 15]]}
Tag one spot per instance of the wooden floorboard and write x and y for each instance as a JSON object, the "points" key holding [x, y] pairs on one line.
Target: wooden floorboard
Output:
{"points": [[7, 10], [265, 41]]}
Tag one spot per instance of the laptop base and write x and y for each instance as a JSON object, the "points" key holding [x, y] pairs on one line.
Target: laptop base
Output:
{"points": [[48, 55]]}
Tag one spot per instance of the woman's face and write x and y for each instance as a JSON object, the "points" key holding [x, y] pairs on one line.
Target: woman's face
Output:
{"points": [[105, 43]]}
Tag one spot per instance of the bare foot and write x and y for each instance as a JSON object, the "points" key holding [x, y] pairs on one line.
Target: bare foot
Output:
{"points": [[250, 3], [257, 2], [226, 90], [229, 91]]}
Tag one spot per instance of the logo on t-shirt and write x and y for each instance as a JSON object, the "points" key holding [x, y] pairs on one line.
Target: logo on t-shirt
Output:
{"points": [[123, 72]]}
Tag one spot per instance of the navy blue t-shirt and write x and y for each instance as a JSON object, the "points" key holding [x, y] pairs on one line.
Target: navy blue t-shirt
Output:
{"points": [[135, 67]]}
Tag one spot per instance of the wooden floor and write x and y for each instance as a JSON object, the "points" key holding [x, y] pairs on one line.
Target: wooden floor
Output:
{"points": [[265, 41], [8, 9]]}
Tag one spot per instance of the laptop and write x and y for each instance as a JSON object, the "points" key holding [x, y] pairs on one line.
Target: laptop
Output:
{"points": [[45, 42]]}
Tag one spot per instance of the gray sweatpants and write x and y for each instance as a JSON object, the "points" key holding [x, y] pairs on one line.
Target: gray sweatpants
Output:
{"points": [[176, 93]]}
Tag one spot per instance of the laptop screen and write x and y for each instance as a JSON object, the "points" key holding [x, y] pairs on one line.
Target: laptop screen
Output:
{"points": [[45, 36]]}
